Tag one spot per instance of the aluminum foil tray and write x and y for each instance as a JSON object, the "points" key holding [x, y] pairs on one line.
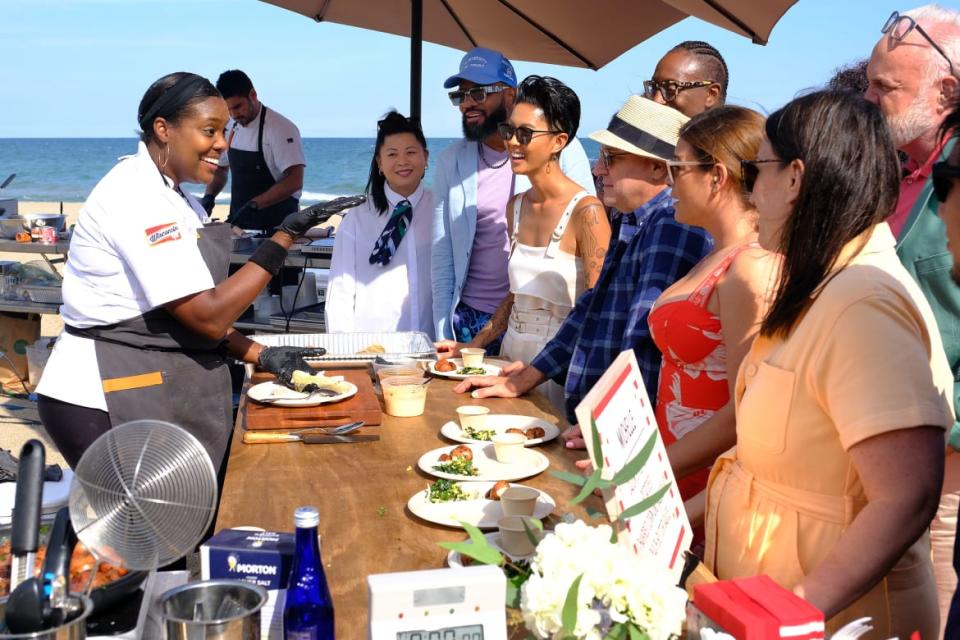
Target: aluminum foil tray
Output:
{"points": [[348, 346], [49, 295]]}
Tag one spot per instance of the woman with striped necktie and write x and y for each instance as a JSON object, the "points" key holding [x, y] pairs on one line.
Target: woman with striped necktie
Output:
{"points": [[380, 273]]}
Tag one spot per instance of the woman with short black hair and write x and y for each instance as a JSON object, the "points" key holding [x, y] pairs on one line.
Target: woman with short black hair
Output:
{"points": [[844, 397]]}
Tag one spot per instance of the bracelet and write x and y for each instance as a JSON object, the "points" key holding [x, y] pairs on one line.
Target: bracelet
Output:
{"points": [[270, 256]]}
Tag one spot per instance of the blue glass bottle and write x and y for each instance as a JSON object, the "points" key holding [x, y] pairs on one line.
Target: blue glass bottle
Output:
{"points": [[308, 612]]}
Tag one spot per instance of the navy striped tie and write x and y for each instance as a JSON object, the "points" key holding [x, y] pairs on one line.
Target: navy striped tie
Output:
{"points": [[392, 234]]}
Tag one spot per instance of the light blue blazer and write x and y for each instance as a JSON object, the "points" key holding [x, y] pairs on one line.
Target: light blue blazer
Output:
{"points": [[455, 219]]}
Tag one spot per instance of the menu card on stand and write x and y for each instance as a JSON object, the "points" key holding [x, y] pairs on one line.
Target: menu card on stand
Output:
{"points": [[625, 421]]}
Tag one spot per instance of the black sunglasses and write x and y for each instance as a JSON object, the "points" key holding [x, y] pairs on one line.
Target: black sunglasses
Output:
{"points": [[524, 134], [477, 94], [749, 170], [899, 26], [944, 175], [670, 88]]}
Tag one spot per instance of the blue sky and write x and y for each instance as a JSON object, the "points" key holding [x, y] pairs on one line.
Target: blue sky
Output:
{"points": [[78, 68]]}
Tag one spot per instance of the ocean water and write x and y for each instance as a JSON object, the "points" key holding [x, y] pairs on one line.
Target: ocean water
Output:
{"points": [[67, 169]]}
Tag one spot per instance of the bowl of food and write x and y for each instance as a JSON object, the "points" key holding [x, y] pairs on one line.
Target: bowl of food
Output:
{"points": [[55, 220]]}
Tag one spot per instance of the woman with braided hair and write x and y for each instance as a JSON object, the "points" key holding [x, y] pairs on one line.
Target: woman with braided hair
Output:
{"points": [[692, 77]]}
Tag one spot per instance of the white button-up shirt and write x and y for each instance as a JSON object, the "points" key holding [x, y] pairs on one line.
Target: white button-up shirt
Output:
{"points": [[372, 297]]}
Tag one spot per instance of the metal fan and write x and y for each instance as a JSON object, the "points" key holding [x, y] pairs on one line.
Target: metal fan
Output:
{"points": [[143, 495]]}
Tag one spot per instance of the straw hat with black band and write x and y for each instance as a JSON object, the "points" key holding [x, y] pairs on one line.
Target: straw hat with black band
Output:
{"points": [[644, 128]]}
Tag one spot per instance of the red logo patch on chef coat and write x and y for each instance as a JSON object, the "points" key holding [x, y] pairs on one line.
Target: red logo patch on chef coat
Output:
{"points": [[162, 233]]}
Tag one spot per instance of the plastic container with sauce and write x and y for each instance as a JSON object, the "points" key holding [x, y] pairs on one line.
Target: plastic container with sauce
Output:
{"points": [[404, 396], [400, 370]]}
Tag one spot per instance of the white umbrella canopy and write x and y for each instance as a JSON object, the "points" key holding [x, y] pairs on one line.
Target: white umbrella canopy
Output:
{"points": [[576, 33]]}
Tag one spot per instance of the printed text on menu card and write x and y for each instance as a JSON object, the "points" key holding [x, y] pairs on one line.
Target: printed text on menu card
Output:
{"points": [[625, 420]]}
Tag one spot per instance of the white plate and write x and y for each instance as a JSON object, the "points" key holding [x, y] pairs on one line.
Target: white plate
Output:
{"points": [[500, 422], [480, 512], [454, 560], [489, 370], [272, 393], [487, 465]]}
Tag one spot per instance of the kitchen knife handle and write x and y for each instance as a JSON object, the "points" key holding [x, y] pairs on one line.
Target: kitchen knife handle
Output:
{"points": [[29, 497], [263, 437]]}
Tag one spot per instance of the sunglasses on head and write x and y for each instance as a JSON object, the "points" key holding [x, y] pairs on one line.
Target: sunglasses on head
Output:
{"points": [[750, 170], [477, 94], [944, 175], [524, 134], [899, 26]]}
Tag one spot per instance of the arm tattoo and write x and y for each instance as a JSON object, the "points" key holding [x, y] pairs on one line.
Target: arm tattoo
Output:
{"points": [[497, 324], [588, 248]]}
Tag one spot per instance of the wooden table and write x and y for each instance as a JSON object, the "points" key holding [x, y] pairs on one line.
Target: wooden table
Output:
{"points": [[362, 490]]}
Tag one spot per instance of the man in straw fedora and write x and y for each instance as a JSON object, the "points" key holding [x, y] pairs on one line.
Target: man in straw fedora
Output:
{"points": [[651, 252]]}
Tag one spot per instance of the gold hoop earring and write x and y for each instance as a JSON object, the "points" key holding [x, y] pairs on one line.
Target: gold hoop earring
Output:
{"points": [[163, 163]]}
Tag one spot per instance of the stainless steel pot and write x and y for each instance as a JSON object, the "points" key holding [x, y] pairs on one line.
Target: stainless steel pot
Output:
{"points": [[76, 629], [213, 610]]}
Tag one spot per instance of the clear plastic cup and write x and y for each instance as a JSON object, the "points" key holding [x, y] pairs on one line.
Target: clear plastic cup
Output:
{"points": [[404, 396], [400, 370], [472, 357]]}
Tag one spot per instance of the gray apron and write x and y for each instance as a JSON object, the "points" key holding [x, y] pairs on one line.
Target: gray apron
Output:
{"points": [[152, 366]]}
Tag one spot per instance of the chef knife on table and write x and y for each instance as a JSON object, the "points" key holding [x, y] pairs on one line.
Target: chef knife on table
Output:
{"points": [[24, 538], [264, 437]]}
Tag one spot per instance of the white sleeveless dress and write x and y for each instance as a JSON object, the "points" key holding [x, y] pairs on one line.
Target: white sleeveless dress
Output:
{"points": [[545, 283]]}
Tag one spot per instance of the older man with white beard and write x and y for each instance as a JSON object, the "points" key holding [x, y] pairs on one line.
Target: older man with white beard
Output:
{"points": [[913, 73]]}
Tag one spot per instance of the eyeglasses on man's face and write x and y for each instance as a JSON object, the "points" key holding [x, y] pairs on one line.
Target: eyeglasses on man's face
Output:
{"points": [[899, 27], [670, 88], [607, 157], [944, 176], [673, 164], [750, 170], [524, 134], [477, 94]]}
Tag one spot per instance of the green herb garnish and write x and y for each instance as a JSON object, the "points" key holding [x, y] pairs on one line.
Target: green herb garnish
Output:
{"points": [[458, 466], [471, 371], [479, 434], [446, 491]]}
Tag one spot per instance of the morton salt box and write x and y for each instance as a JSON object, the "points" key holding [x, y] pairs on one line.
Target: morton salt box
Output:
{"points": [[258, 557]]}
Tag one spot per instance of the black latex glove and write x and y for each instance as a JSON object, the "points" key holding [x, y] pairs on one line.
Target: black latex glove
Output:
{"points": [[296, 224], [207, 202], [283, 361], [242, 211]]}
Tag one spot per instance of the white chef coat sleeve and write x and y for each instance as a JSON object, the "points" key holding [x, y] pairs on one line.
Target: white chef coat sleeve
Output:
{"points": [[160, 250], [282, 145], [342, 285]]}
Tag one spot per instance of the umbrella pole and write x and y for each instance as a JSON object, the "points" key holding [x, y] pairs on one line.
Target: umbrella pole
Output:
{"points": [[416, 57]]}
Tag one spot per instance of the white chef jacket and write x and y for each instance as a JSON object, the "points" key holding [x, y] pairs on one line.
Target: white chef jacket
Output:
{"points": [[134, 248], [282, 146], [372, 297]]}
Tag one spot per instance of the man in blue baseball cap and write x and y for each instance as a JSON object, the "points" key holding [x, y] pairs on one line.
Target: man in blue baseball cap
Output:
{"points": [[472, 185]]}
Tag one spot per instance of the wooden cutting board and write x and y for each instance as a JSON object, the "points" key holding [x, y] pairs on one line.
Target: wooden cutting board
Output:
{"points": [[365, 405]]}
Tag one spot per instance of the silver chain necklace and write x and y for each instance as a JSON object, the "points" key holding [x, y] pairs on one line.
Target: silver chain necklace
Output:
{"points": [[480, 146]]}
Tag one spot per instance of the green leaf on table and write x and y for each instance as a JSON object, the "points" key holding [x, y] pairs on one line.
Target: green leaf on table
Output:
{"points": [[529, 524], [644, 504], [572, 478], [614, 537], [514, 583], [636, 634], [595, 435], [568, 616], [592, 482], [477, 548], [633, 467]]}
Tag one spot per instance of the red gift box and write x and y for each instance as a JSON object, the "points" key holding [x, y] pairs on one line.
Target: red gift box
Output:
{"points": [[758, 608]]}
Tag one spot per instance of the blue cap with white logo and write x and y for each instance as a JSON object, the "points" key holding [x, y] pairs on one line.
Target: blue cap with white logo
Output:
{"points": [[483, 66]]}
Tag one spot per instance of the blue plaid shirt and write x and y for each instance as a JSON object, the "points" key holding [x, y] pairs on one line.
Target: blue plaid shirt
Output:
{"points": [[651, 252]]}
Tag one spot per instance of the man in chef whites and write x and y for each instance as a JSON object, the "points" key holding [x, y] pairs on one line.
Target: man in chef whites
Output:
{"points": [[265, 158]]}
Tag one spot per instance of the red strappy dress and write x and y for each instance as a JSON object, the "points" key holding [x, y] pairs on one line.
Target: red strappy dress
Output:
{"points": [[693, 376]]}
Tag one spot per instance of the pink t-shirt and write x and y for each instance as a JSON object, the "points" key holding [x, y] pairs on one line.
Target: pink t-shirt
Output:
{"points": [[487, 283], [910, 187]]}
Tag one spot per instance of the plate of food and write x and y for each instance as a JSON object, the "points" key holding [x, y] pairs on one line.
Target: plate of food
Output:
{"points": [[453, 368], [478, 462], [535, 430], [457, 561], [448, 503], [311, 390]]}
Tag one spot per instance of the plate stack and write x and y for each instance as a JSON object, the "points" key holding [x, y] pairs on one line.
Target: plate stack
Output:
{"points": [[55, 495]]}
